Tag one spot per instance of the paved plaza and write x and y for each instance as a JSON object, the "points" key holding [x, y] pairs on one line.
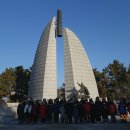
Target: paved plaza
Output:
{"points": [[15, 126], [66, 127]]}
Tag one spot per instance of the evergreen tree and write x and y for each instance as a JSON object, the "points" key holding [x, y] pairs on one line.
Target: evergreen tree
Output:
{"points": [[22, 79], [101, 83], [7, 82]]}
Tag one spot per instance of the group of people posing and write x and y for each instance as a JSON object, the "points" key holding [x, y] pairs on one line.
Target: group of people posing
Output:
{"points": [[72, 111]]}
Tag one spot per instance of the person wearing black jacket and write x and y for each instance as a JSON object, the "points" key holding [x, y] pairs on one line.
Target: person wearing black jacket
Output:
{"points": [[20, 112], [98, 106], [92, 112], [56, 107], [80, 111], [49, 111], [69, 111], [104, 110]]}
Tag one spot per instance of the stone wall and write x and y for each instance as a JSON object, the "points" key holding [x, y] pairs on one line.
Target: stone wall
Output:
{"points": [[8, 112], [13, 108]]}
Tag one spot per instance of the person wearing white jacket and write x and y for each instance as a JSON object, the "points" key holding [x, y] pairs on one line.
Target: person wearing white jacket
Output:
{"points": [[27, 112]]}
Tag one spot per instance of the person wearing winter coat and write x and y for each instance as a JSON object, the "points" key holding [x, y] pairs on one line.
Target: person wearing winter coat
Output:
{"points": [[62, 113], [43, 112], [75, 112], [20, 112], [56, 110], [122, 110], [92, 111], [49, 111], [34, 112], [87, 109], [27, 112], [112, 110], [104, 110], [80, 111], [69, 111], [98, 106]]}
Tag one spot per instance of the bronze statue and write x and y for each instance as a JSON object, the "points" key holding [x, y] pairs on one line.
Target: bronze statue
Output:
{"points": [[83, 91]]}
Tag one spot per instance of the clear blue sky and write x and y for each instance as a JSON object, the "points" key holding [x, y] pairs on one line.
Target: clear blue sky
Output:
{"points": [[103, 27]]}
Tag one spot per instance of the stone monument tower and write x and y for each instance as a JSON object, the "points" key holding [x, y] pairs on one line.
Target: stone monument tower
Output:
{"points": [[43, 81]]}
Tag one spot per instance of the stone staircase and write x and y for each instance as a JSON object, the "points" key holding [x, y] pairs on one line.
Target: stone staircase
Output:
{"points": [[7, 112]]}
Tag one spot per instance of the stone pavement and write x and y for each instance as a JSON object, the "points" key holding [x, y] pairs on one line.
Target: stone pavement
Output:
{"points": [[16, 126]]}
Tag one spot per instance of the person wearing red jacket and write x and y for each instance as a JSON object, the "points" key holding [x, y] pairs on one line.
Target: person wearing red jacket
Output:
{"points": [[34, 112], [87, 109], [42, 112], [112, 110]]}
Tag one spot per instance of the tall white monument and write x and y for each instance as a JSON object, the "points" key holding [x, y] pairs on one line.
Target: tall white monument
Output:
{"points": [[77, 66], [43, 81]]}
